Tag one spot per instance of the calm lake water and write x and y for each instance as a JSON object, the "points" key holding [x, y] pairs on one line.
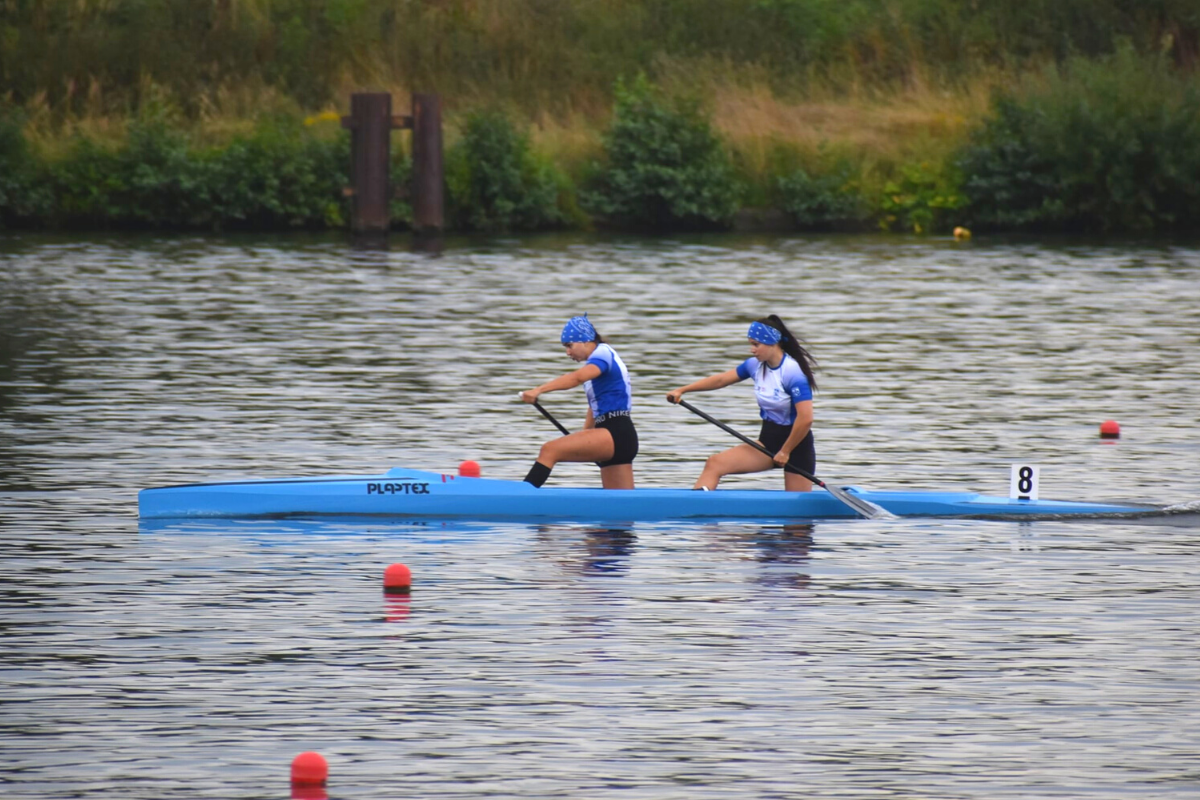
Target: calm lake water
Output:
{"points": [[835, 659]]}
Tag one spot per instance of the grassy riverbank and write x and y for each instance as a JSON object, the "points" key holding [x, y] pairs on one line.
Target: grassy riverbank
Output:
{"points": [[862, 114]]}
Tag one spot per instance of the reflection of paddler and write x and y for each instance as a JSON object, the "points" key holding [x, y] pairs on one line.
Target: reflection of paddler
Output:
{"points": [[608, 550], [789, 545], [783, 382], [589, 551], [608, 436]]}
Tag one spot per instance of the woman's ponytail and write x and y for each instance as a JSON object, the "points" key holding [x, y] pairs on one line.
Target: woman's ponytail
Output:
{"points": [[791, 345]]}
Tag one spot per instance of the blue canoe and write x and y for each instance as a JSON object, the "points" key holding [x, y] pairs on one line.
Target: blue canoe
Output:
{"points": [[417, 494]]}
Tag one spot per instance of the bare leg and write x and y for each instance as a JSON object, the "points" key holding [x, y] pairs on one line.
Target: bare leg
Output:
{"points": [[591, 444], [618, 476], [796, 483], [737, 460]]}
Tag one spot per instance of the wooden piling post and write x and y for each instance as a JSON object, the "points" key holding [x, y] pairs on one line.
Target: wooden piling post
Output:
{"points": [[428, 179], [370, 124]]}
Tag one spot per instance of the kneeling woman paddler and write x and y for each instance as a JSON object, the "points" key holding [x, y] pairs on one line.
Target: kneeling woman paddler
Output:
{"points": [[608, 436], [783, 382]]}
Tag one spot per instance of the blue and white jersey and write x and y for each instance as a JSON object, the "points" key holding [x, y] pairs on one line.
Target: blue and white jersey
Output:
{"points": [[611, 390], [778, 389]]}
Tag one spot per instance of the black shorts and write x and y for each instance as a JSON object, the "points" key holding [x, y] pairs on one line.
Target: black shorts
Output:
{"points": [[625, 440], [804, 457]]}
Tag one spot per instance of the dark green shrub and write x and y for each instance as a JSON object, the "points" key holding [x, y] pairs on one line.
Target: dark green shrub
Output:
{"points": [[150, 180], [665, 168], [88, 184], [164, 185], [830, 201], [496, 183], [1112, 145], [282, 176], [22, 195]]}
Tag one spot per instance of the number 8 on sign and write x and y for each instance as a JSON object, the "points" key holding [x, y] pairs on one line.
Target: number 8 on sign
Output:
{"points": [[1023, 485]]}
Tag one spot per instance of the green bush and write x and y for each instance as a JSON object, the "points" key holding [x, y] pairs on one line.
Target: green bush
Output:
{"points": [[922, 199], [830, 201], [495, 182], [664, 166], [1112, 145], [280, 176], [23, 196], [164, 185], [88, 185]]}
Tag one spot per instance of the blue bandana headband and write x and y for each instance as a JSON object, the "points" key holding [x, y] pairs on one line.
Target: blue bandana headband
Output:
{"points": [[764, 333], [578, 329]]}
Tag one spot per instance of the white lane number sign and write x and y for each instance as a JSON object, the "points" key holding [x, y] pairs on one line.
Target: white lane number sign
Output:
{"points": [[1023, 484]]}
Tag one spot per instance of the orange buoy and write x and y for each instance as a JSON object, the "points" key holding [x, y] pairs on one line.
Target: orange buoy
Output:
{"points": [[1109, 429], [397, 578], [469, 469], [309, 769]]}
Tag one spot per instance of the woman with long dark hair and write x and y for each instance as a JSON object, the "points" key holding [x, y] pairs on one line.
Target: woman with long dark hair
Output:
{"points": [[783, 384], [608, 436]]}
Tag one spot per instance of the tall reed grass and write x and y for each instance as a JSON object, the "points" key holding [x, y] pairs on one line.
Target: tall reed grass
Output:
{"points": [[874, 98], [562, 55]]}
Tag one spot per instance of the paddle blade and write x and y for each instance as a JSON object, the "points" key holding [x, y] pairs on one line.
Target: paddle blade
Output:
{"points": [[864, 507]]}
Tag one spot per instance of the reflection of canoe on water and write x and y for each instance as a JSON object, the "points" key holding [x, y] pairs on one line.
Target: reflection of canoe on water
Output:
{"points": [[413, 493]]}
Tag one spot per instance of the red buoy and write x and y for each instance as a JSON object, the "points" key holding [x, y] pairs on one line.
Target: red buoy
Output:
{"points": [[469, 469], [1109, 429], [309, 769], [397, 578]]}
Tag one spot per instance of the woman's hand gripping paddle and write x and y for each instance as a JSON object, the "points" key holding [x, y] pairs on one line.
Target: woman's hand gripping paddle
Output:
{"points": [[864, 507]]}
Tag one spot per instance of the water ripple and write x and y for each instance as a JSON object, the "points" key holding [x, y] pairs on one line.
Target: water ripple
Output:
{"points": [[835, 659]]}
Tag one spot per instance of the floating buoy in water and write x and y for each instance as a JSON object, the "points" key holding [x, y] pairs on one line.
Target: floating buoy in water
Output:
{"points": [[469, 469], [309, 769], [397, 578], [1109, 429], [962, 234]]}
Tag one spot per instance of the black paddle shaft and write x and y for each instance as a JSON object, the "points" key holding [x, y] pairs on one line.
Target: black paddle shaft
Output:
{"points": [[751, 442], [550, 417]]}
